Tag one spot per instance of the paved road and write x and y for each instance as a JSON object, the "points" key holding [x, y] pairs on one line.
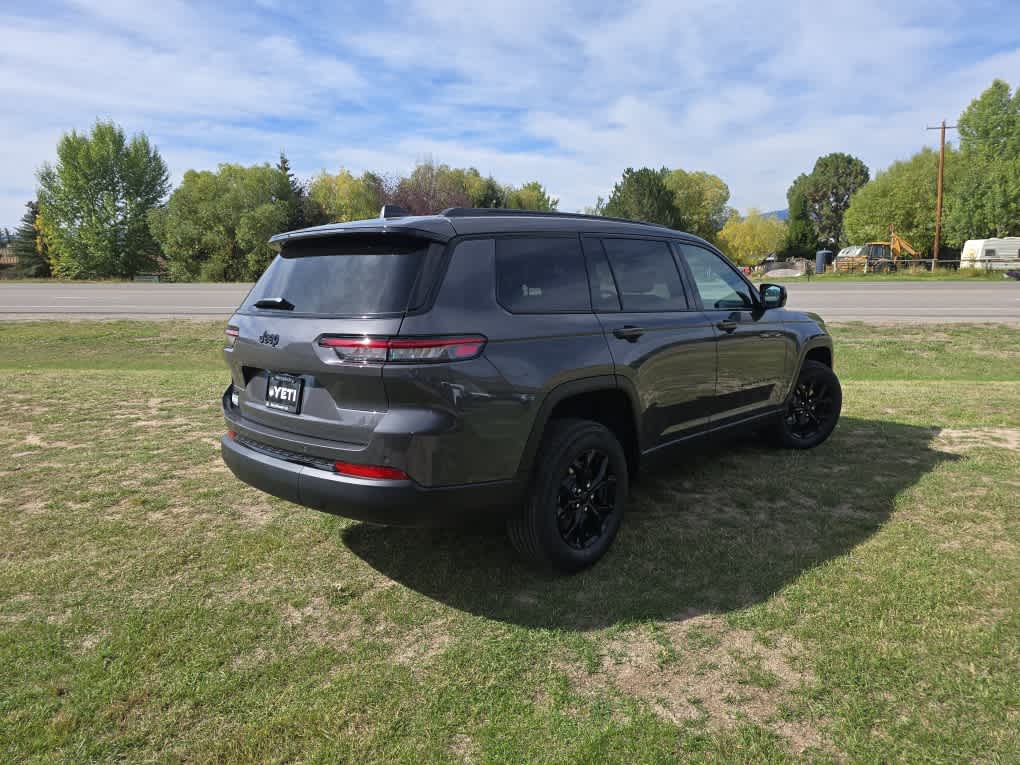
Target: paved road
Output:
{"points": [[836, 301]]}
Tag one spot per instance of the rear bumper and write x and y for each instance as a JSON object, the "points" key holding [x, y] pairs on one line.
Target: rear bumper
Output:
{"points": [[391, 503]]}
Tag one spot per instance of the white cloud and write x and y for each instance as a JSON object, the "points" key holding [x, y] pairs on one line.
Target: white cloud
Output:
{"points": [[549, 90]]}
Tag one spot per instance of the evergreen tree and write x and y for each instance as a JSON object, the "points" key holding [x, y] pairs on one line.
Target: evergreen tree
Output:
{"points": [[801, 235], [29, 245], [295, 194], [643, 195]]}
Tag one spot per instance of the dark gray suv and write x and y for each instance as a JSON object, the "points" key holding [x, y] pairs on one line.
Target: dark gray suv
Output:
{"points": [[504, 364]]}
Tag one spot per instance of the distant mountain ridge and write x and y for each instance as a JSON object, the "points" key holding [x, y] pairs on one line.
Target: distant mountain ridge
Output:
{"points": [[781, 214]]}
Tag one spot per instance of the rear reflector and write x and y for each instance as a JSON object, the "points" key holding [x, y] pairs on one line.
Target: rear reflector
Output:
{"points": [[379, 472], [404, 349], [232, 435]]}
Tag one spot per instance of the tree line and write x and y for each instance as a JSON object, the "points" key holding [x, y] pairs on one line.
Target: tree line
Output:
{"points": [[105, 207]]}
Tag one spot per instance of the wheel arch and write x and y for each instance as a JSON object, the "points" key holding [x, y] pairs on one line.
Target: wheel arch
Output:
{"points": [[815, 348], [602, 399]]}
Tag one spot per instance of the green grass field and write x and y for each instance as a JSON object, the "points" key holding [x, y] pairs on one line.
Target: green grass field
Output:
{"points": [[858, 603]]}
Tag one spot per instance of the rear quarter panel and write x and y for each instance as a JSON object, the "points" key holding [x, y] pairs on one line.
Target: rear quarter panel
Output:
{"points": [[493, 407]]}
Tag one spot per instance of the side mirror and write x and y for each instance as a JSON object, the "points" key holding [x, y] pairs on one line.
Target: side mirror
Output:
{"points": [[772, 295]]}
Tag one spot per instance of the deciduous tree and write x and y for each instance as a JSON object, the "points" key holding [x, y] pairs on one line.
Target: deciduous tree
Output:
{"points": [[903, 196], [530, 196], [431, 188], [827, 191], [701, 201], [983, 200], [342, 197], [96, 200], [216, 225], [749, 239]]}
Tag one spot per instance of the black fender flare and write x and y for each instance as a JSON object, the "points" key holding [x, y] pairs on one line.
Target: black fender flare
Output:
{"points": [[561, 393], [812, 343]]}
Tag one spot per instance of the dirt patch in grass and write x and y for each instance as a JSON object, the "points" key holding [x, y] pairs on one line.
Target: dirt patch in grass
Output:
{"points": [[702, 671], [959, 440], [463, 748], [33, 439], [422, 646], [313, 621]]}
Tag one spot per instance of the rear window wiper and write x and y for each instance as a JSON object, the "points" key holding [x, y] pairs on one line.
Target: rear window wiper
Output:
{"points": [[280, 303]]}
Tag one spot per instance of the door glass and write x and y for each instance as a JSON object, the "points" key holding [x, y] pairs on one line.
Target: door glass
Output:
{"points": [[718, 284], [541, 275], [646, 275], [604, 296]]}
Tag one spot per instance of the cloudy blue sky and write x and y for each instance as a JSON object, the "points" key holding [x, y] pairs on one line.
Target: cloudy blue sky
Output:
{"points": [[566, 93]]}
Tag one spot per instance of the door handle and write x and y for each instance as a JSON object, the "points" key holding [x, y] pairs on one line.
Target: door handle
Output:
{"points": [[627, 332], [727, 325]]}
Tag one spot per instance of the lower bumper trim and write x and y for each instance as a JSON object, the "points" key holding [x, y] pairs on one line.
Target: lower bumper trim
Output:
{"points": [[391, 503]]}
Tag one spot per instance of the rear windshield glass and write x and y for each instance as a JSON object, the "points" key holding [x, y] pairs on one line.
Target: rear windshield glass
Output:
{"points": [[342, 276]]}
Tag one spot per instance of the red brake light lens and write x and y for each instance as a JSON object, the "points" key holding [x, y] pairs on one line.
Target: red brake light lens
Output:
{"points": [[231, 333], [405, 349], [378, 472], [356, 349]]}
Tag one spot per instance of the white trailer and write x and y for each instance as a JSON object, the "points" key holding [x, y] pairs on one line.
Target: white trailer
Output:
{"points": [[991, 254]]}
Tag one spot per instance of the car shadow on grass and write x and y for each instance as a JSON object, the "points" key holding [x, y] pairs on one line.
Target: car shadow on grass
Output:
{"points": [[715, 529]]}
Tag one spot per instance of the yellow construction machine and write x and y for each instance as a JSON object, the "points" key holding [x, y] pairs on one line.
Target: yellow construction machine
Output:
{"points": [[877, 256]]}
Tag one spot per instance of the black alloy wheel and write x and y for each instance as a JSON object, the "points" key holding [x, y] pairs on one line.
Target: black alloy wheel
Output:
{"points": [[813, 408], [587, 499]]}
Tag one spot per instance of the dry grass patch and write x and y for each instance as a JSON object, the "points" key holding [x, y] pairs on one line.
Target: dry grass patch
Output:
{"points": [[704, 672], [959, 440], [463, 748], [423, 645]]}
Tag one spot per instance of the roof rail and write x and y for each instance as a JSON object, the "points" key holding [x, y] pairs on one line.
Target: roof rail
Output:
{"points": [[476, 212], [393, 211]]}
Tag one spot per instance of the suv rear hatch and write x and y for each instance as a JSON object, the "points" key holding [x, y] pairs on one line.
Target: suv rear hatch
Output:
{"points": [[301, 335]]}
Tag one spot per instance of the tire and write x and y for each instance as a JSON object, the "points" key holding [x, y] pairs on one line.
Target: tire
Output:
{"points": [[562, 526], [812, 410]]}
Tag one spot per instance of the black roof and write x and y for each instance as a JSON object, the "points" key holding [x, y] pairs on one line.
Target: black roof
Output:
{"points": [[457, 221]]}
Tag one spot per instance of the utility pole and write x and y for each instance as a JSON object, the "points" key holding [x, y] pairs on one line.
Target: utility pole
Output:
{"points": [[938, 189]]}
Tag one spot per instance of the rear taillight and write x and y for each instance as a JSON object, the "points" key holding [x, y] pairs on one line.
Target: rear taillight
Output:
{"points": [[378, 472], [404, 349], [231, 333]]}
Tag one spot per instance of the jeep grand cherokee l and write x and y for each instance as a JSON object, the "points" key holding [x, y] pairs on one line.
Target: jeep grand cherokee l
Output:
{"points": [[495, 363]]}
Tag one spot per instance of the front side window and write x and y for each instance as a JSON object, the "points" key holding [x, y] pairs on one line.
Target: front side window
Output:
{"points": [[541, 275], [646, 275], [720, 287]]}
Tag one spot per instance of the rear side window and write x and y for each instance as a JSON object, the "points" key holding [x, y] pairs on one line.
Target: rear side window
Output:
{"points": [[646, 275], [541, 275], [604, 296], [343, 275]]}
